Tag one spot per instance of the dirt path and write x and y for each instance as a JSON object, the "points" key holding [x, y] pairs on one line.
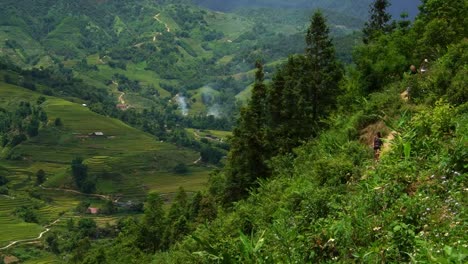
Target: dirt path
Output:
{"points": [[198, 160], [105, 197], [32, 239], [168, 29], [387, 146], [121, 100], [122, 105]]}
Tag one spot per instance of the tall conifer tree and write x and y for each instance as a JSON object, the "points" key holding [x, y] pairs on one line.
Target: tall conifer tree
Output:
{"points": [[378, 20], [303, 91], [323, 72], [152, 230], [247, 156]]}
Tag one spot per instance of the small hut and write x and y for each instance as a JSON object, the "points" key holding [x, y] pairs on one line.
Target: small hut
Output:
{"points": [[93, 210], [97, 134]]}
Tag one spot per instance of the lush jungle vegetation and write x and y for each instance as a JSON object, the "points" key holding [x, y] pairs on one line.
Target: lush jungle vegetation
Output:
{"points": [[300, 182]]}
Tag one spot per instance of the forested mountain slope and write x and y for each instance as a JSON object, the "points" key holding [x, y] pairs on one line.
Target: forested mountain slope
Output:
{"points": [[301, 181], [355, 8], [162, 47], [302, 184]]}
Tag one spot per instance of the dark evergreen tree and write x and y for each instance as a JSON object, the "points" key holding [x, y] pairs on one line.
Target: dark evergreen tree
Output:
{"points": [[79, 171], [40, 177], [33, 128], [378, 20], [194, 207], [58, 122], [323, 70], [151, 233], [52, 243], [177, 224], [304, 91], [246, 161]]}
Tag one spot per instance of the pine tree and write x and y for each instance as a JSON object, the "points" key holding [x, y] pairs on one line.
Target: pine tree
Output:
{"points": [[246, 160], [378, 21], [177, 224], [79, 171], [289, 106], [304, 91], [324, 72], [40, 177], [152, 230]]}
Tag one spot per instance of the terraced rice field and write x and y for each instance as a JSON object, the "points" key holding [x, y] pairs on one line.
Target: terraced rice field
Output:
{"points": [[11, 227], [98, 164], [49, 259], [125, 162]]}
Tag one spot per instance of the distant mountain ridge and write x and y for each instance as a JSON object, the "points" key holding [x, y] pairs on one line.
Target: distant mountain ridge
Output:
{"points": [[351, 7]]}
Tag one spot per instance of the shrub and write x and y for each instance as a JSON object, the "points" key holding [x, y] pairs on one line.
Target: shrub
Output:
{"points": [[58, 122], [4, 190], [181, 168]]}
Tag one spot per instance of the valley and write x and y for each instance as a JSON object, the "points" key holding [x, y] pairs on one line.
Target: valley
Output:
{"points": [[200, 131]]}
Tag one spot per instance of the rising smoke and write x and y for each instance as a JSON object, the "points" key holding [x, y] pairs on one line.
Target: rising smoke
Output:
{"points": [[182, 102], [209, 98], [214, 110]]}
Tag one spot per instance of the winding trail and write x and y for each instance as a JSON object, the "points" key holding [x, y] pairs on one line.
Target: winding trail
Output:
{"points": [[198, 160], [32, 239], [105, 197], [122, 105], [168, 29], [121, 100]]}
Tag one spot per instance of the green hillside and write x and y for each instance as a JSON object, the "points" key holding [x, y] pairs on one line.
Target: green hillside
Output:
{"points": [[158, 131], [371, 169], [166, 48], [125, 163], [127, 149]]}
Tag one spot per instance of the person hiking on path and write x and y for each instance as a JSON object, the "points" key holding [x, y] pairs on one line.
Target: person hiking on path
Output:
{"points": [[377, 145], [413, 70], [406, 94], [424, 66]]}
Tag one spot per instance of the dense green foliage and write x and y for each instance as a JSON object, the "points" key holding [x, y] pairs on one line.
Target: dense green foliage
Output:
{"points": [[301, 184], [23, 122], [279, 118], [157, 49], [80, 176], [330, 201]]}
